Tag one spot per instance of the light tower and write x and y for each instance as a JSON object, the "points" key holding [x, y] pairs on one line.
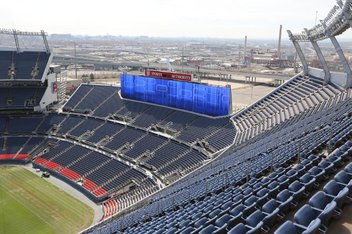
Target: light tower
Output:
{"points": [[245, 51]]}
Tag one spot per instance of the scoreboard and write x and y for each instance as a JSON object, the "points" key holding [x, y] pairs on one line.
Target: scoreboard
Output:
{"points": [[200, 98], [169, 75]]}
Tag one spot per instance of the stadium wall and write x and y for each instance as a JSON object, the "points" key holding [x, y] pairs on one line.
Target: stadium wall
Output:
{"points": [[12, 162], [50, 94], [70, 182], [338, 78], [46, 70]]}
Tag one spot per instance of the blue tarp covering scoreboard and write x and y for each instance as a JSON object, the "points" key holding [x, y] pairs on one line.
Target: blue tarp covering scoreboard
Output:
{"points": [[200, 98]]}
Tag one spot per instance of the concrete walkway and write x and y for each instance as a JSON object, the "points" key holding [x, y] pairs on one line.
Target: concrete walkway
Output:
{"points": [[98, 210], [344, 224]]}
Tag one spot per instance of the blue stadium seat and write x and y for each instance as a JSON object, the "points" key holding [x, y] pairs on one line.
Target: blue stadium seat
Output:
{"points": [[214, 213], [201, 222], [298, 190], [318, 173], [208, 229], [300, 169], [247, 191], [250, 205], [263, 196], [265, 181], [226, 219], [348, 168], [256, 221], [274, 188], [290, 228], [284, 181], [292, 174], [196, 215], [173, 230], [184, 223], [257, 186], [237, 211], [307, 218], [336, 160], [337, 192], [307, 164], [324, 204], [327, 166], [271, 211], [240, 229], [188, 230], [285, 199], [309, 182], [315, 159], [344, 179], [227, 205]]}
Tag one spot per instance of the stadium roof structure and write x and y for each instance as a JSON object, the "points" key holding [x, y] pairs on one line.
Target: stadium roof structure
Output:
{"points": [[17, 34], [338, 20]]}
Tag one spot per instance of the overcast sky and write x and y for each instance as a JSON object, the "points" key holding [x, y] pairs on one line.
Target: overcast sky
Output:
{"points": [[168, 18]]}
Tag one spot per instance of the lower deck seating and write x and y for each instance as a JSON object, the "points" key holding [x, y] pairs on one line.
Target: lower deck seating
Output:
{"points": [[104, 102], [168, 157], [24, 124], [18, 149], [99, 174]]}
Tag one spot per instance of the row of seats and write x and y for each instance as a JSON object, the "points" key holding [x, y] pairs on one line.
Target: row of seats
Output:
{"points": [[133, 144], [28, 65], [104, 101], [227, 201], [252, 208], [20, 98], [128, 141], [308, 133], [327, 203], [307, 184], [295, 97], [74, 161], [276, 143], [103, 171], [18, 148]]}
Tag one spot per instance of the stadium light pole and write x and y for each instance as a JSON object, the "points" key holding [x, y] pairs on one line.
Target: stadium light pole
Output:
{"points": [[316, 18], [75, 54], [251, 93]]}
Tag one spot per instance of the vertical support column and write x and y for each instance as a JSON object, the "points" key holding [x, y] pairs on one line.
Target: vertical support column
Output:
{"points": [[245, 50], [299, 52], [279, 44], [45, 41], [344, 62], [320, 57], [16, 40]]}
